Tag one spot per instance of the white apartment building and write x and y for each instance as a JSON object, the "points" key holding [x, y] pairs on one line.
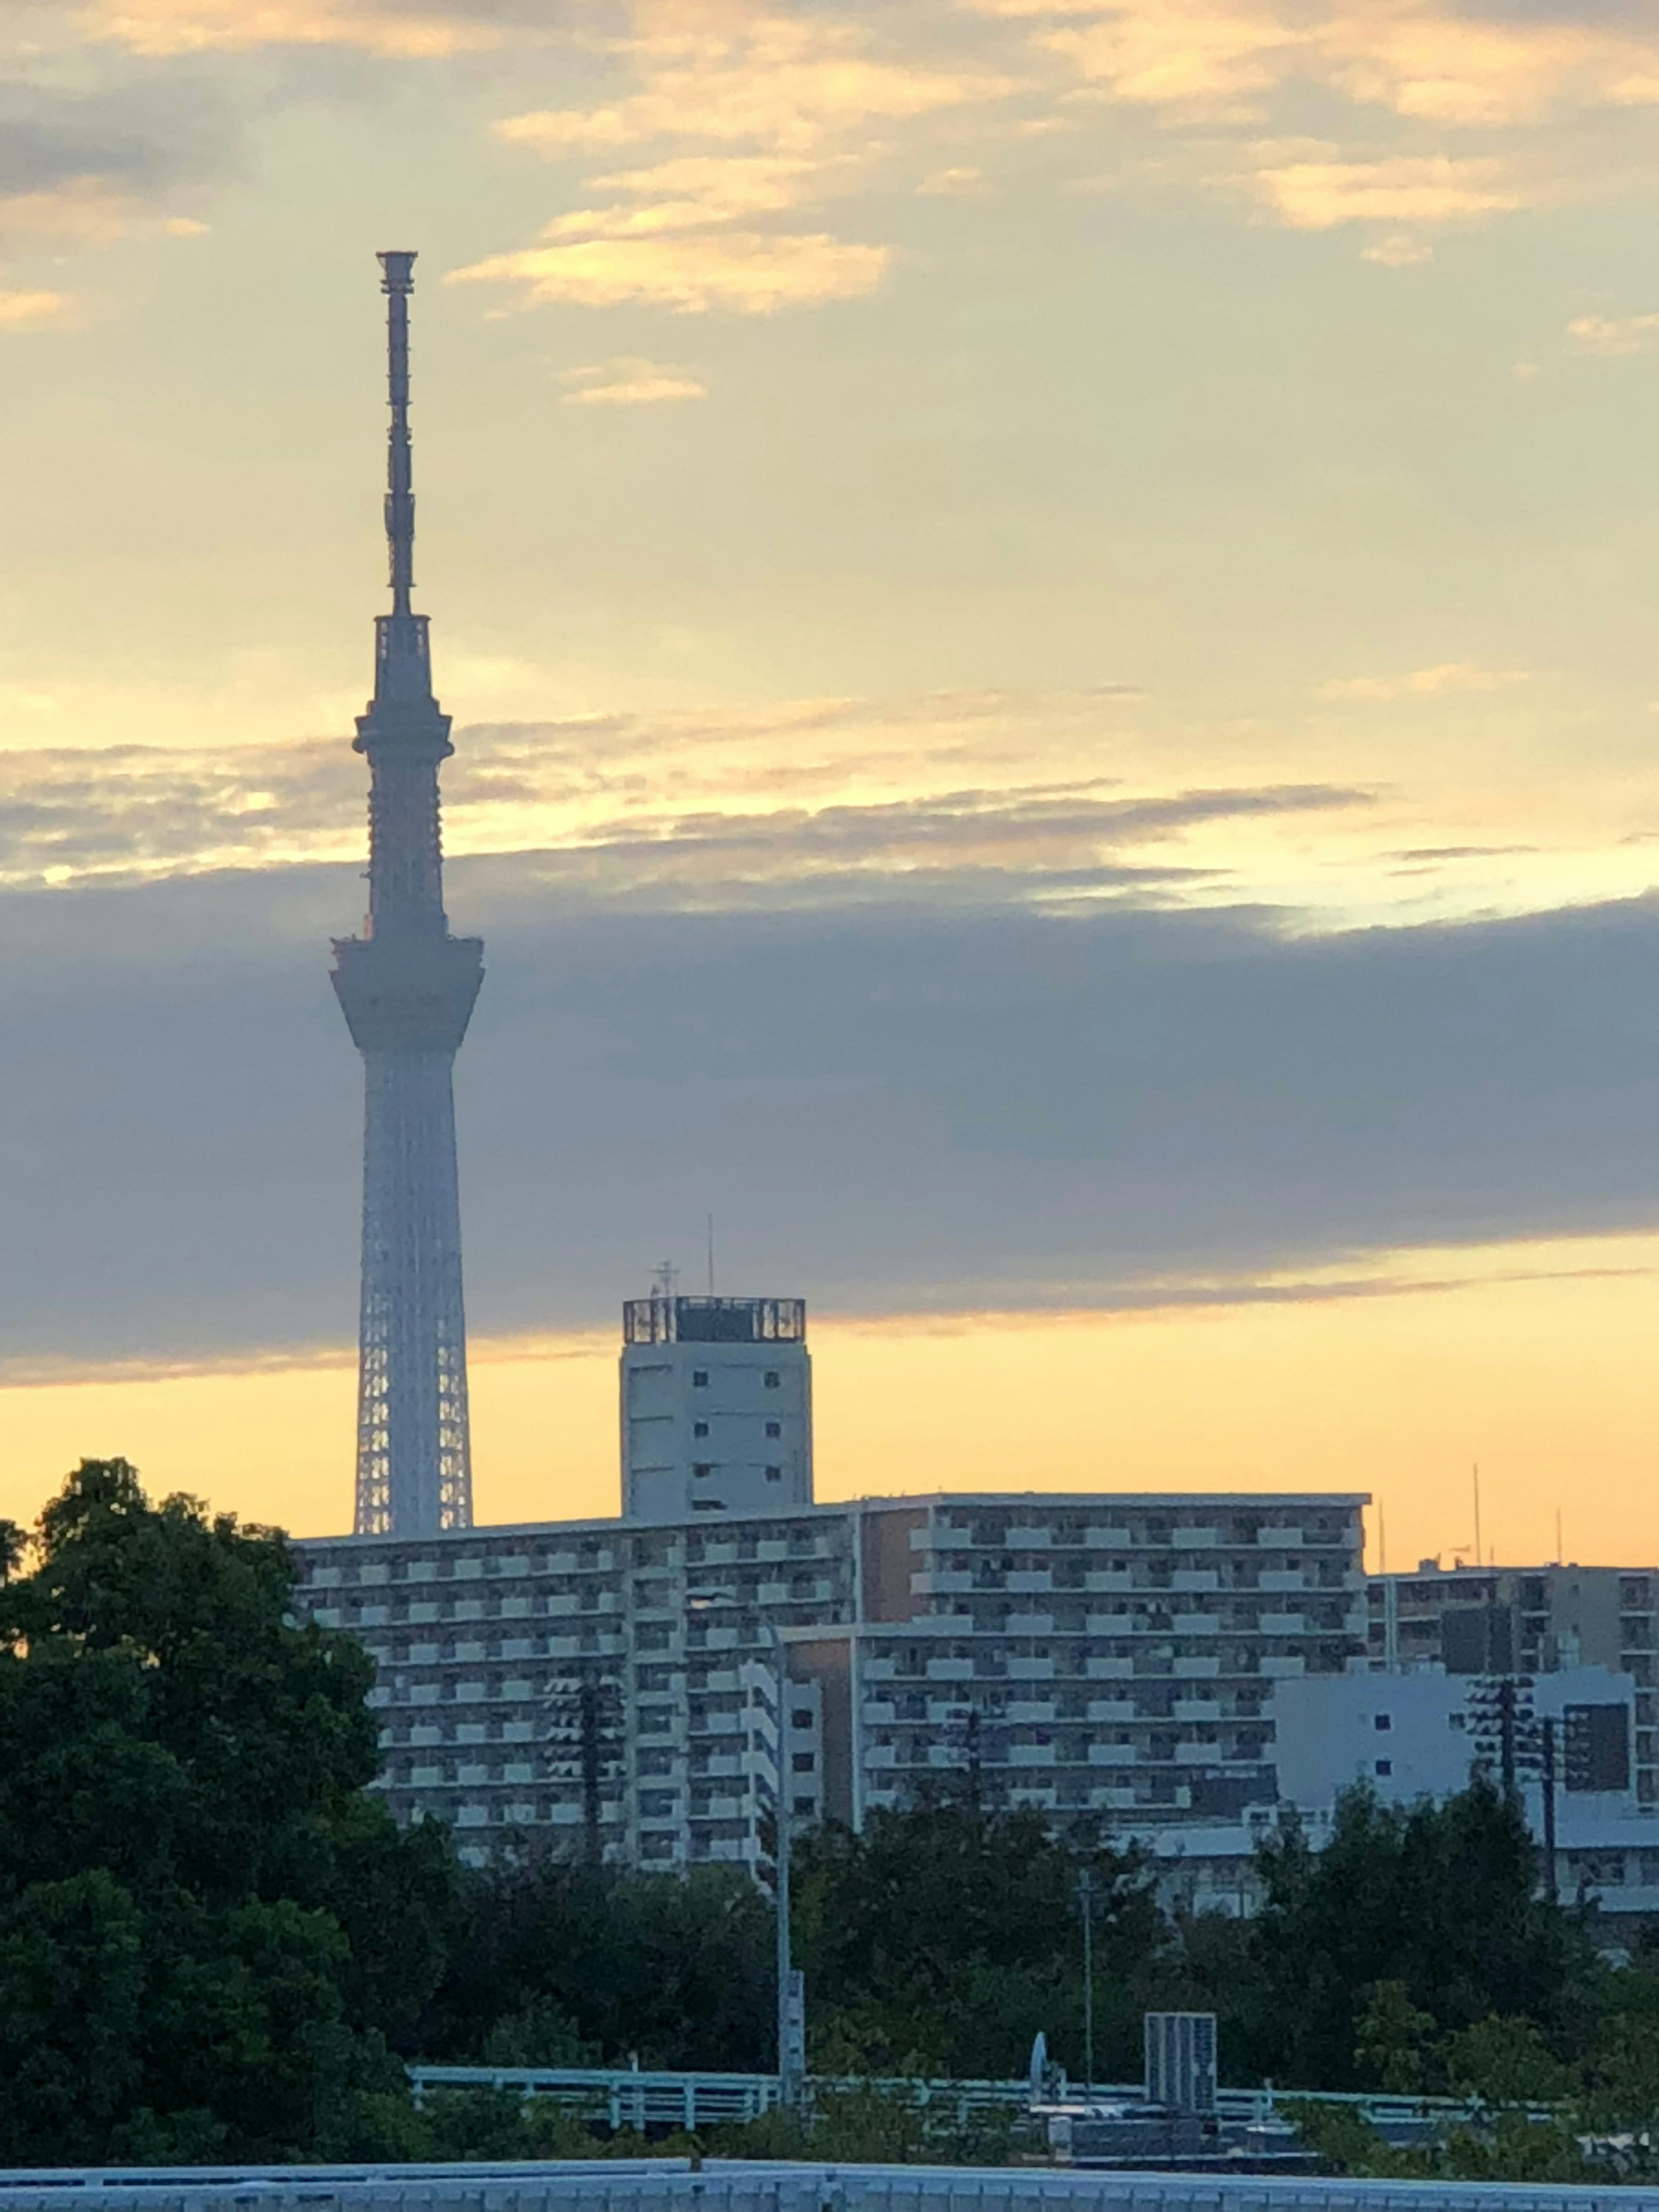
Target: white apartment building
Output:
{"points": [[1090, 1654], [610, 1685]]}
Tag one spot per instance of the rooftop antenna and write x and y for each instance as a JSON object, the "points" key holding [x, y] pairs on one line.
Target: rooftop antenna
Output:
{"points": [[1558, 1535], [663, 1282], [1479, 1556], [711, 1256]]}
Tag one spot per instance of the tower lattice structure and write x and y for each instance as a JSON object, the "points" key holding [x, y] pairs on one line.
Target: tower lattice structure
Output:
{"points": [[407, 989]]}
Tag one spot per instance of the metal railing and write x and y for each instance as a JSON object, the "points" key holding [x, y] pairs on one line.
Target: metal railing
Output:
{"points": [[624, 2098], [722, 2186]]}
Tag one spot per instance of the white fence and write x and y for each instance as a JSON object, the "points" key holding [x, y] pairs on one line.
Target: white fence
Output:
{"points": [[623, 2097]]}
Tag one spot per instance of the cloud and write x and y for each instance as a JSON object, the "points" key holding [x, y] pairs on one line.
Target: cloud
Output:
{"points": [[573, 804], [81, 171], [746, 272], [628, 381], [803, 104], [35, 311], [1319, 194], [395, 28], [953, 184], [792, 85], [1610, 336], [1002, 1109], [1398, 250], [1427, 682], [1469, 68]]}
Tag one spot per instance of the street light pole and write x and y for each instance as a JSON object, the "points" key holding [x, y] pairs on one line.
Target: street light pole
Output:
{"points": [[788, 2088], [786, 2035]]}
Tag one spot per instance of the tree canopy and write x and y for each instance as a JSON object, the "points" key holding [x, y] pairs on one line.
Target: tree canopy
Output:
{"points": [[208, 1927], [215, 1943]]}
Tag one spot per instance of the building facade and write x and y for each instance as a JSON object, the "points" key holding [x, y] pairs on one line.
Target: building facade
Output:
{"points": [[1527, 1620], [717, 1407], [1099, 1655]]}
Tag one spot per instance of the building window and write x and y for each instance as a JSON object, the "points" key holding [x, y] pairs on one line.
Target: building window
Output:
{"points": [[1385, 1766], [774, 1474], [805, 1807], [699, 1378], [804, 1762], [1384, 1722], [702, 1467], [774, 1428], [700, 1428], [801, 1717], [773, 1380]]}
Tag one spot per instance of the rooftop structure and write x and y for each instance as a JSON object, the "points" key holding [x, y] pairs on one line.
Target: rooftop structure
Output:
{"points": [[716, 1405], [407, 988]]}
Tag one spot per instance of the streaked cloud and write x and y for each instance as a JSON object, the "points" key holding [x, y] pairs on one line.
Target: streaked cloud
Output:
{"points": [[805, 99], [79, 172], [955, 184], [1431, 64], [629, 381], [1611, 335], [792, 84], [402, 29], [573, 799], [1398, 250], [1317, 191], [35, 311], [747, 273], [1427, 682]]}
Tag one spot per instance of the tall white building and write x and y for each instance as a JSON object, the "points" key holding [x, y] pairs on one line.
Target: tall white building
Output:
{"points": [[716, 1407]]}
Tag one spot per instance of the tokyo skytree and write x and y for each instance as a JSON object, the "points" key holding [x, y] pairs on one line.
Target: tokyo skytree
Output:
{"points": [[407, 988]]}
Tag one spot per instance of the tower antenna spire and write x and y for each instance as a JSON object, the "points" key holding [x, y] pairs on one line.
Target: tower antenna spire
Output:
{"points": [[398, 281]]}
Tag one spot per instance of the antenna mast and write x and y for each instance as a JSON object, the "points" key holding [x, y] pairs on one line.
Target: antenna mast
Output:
{"points": [[398, 281]]}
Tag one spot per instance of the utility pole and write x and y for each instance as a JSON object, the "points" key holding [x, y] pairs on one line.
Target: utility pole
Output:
{"points": [[1085, 1899], [591, 1752], [791, 1994], [1551, 1886], [792, 2003], [1506, 1737]]}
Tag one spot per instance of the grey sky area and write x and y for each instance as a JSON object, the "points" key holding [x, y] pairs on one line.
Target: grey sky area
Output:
{"points": [[887, 1109]]}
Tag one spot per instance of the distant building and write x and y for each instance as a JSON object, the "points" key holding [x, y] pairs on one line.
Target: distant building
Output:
{"points": [[1090, 1654], [1421, 1734], [1526, 1620], [717, 1407]]}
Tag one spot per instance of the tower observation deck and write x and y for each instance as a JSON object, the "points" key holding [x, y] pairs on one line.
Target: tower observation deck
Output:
{"points": [[407, 988]]}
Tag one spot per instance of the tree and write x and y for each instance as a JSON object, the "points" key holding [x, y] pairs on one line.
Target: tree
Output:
{"points": [[1411, 1926], [944, 1936], [206, 1927], [556, 1956]]}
